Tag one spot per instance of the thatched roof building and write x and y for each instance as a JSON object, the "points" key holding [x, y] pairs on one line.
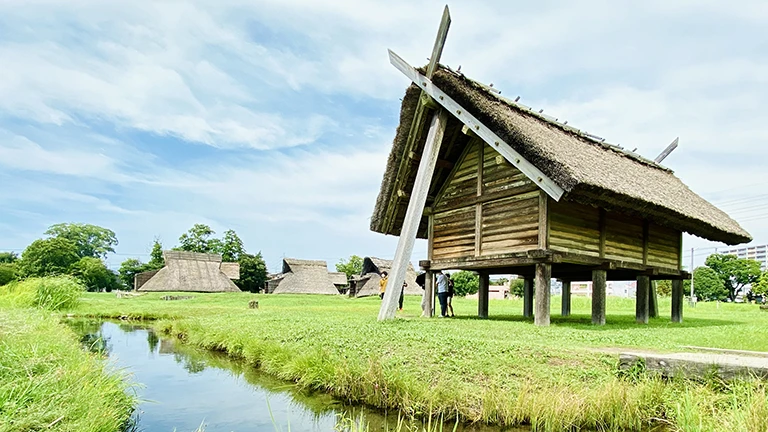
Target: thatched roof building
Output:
{"points": [[368, 282], [339, 279], [514, 191], [193, 272], [302, 277], [590, 171]]}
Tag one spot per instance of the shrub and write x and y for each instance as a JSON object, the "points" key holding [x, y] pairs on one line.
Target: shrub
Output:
{"points": [[51, 292], [7, 273]]}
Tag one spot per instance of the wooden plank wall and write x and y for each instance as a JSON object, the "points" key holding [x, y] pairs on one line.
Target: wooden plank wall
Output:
{"points": [[664, 246], [488, 211], [574, 228]]}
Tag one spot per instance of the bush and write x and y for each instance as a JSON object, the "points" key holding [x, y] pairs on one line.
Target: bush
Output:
{"points": [[7, 273], [52, 292]]}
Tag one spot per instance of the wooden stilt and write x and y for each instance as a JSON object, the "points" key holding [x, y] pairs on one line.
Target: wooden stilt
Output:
{"points": [[677, 301], [565, 308], [598, 297], [482, 295], [641, 299], [429, 294], [527, 297], [653, 304], [543, 284], [413, 215]]}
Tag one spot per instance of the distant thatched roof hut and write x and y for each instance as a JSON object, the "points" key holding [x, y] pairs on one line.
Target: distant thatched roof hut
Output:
{"points": [[302, 277], [339, 279], [368, 282], [194, 272]]}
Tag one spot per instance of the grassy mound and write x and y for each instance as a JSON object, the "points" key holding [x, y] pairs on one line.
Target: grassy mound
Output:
{"points": [[51, 293]]}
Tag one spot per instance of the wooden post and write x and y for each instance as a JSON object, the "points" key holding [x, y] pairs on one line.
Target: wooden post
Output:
{"points": [[653, 304], [677, 301], [482, 295], [543, 283], [413, 215], [598, 297], [565, 309], [429, 294], [641, 299], [527, 297]]}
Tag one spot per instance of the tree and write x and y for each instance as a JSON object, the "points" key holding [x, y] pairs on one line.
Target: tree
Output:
{"points": [[516, 287], [761, 287], [90, 240], [128, 270], [94, 274], [465, 282], [197, 239], [231, 247], [8, 257], [664, 288], [156, 261], [8, 273], [734, 272], [707, 285], [47, 257], [351, 267], [253, 272]]}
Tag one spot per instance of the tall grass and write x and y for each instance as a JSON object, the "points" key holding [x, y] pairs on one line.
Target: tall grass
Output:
{"points": [[47, 382], [51, 293]]}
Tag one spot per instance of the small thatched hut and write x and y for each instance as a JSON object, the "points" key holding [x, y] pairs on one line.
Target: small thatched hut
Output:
{"points": [[302, 277], [339, 280], [368, 282], [191, 271]]}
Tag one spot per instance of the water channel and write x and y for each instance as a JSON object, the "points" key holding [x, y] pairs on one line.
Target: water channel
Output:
{"points": [[181, 388]]}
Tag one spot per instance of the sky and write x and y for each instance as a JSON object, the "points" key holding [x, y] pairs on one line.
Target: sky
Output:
{"points": [[275, 118]]}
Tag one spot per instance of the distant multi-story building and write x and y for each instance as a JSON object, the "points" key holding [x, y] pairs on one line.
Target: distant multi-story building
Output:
{"points": [[757, 253]]}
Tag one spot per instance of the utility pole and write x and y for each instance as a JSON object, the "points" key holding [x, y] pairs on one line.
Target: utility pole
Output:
{"points": [[693, 302]]}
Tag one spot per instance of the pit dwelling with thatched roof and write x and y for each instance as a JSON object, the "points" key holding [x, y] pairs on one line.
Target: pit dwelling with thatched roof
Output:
{"points": [[367, 284], [302, 277], [514, 191], [192, 272]]}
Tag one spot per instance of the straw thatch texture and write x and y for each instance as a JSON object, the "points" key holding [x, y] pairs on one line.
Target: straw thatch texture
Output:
{"points": [[338, 278], [139, 279], [368, 283], [231, 269], [590, 172], [189, 271], [303, 277]]}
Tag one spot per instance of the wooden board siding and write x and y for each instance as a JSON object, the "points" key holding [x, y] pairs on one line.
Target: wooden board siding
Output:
{"points": [[663, 246], [462, 183], [510, 224], [454, 234], [623, 238], [574, 228]]}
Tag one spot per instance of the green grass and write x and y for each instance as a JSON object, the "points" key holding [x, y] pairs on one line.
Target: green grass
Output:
{"points": [[47, 382], [51, 292], [502, 370]]}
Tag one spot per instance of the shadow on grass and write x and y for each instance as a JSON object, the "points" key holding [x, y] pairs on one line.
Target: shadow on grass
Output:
{"points": [[612, 322]]}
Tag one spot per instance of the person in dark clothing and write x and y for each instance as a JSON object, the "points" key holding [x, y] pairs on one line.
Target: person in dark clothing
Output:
{"points": [[442, 292], [402, 294], [449, 299]]}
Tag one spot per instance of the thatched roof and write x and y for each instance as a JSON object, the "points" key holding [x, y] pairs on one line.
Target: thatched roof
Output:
{"points": [[368, 282], [303, 277], [190, 271], [231, 269], [338, 278], [589, 171]]}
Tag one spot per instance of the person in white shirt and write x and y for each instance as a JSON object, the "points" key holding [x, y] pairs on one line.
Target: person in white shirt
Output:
{"points": [[442, 292]]}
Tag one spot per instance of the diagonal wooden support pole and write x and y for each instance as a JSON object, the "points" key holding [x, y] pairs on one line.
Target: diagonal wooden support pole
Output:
{"points": [[413, 215]]}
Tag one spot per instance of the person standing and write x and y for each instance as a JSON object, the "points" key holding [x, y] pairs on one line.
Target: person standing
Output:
{"points": [[449, 300], [402, 294], [442, 292], [383, 284]]}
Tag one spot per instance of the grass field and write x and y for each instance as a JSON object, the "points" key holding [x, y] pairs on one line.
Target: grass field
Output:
{"points": [[502, 370]]}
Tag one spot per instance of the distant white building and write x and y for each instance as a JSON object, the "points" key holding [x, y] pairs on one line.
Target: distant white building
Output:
{"points": [[757, 253], [613, 288]]}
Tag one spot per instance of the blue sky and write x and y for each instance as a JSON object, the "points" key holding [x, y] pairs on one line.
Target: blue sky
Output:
{"points": [[275, 118]]}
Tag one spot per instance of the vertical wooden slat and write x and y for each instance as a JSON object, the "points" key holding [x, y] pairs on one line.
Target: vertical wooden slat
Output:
{"points": [[482, 295], [413, 215], [543, 283], [646, 230], [598, 297], [565, 308], [641, 299], [479, 206], [527, 297], [543, 220], [677, 301]]}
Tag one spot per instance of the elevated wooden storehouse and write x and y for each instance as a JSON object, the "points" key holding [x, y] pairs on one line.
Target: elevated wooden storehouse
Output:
{"points": [[368, 282], [511, 190], [192, 272], [302, 277]]}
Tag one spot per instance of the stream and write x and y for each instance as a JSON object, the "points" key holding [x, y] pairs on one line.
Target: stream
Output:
{"points": [[181, 388]]}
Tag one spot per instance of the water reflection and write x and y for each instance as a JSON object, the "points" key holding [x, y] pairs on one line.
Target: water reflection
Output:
{"points": [[182, 386]]}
